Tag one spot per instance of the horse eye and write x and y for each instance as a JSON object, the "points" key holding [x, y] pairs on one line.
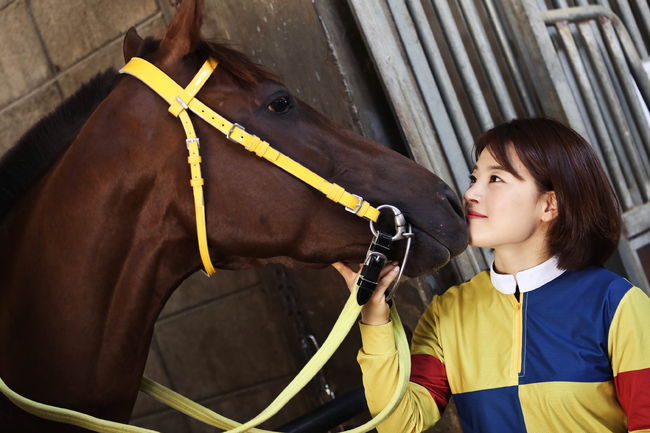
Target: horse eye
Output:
{"points": [[280, 105]]}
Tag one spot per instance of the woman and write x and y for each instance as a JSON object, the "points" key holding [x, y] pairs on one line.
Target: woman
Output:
{"points": [[546, 340]]}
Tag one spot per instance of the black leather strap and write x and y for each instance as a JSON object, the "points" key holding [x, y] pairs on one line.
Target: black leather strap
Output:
{"points": [[375, 262]]}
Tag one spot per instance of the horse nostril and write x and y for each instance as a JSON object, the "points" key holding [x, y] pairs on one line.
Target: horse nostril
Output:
{"points": [[454, 201]]}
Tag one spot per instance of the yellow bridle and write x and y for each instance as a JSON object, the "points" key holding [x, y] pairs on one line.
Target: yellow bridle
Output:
{"points": [[181, 100]]}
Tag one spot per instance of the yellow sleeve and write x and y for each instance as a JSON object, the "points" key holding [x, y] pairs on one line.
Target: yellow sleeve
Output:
{"points": [[379, 364], [629, 352]]}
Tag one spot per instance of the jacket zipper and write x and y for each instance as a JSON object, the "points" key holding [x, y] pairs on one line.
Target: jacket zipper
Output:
{"points": [[518, 336]]}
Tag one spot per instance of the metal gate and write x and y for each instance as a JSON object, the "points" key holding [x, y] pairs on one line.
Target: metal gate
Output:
{"points": [[452, 69]]}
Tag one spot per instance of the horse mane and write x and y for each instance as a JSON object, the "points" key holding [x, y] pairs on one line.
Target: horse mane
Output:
{"points": [[37, 150], [45, 142], [239, 66]]}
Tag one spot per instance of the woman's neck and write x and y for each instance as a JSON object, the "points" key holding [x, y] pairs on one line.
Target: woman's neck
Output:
{"points": [[505, 264], [512, 261]]}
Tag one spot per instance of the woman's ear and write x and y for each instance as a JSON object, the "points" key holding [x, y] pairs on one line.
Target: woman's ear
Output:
{"points": [[131, 44], [550, 206]]}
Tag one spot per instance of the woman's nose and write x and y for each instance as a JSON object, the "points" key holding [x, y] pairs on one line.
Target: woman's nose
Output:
{"points": [[471, 194]]}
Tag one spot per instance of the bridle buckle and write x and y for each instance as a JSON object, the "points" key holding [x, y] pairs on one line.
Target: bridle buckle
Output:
{"points": [[358, 207], [192, 140], [232, 128]]}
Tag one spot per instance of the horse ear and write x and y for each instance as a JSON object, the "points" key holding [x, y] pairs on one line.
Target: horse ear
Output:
{"points": [[131, 45], [184, 31]]}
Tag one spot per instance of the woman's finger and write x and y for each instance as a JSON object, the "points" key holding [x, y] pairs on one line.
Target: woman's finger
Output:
{"points": [[385, 282], [342, 269], [386, 269], [348, 274]]}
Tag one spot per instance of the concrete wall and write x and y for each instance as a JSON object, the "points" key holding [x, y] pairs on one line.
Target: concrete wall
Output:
{"points": [[49, 47]]}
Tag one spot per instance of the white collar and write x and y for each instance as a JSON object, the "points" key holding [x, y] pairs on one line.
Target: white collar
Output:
{"points": [[527, 280]]}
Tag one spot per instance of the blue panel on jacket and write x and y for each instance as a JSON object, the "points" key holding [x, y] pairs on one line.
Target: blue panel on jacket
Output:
{"points": [[567, 324], [494, 410]]}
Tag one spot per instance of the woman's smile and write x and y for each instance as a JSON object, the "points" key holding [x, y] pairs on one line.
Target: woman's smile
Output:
{"points": [[472, 214]]}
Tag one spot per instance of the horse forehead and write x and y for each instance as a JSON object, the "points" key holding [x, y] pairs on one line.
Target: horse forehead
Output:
{"points": [[226, 81], [223, 91]]}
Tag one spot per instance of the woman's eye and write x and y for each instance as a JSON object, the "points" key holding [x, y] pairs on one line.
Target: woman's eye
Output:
{"points": [[280, 105], [495, 178], [472, 178]]}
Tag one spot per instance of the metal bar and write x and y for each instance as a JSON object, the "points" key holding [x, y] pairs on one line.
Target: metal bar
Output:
{"points": [[636, 221], [468, 264], [607, 119], [643, 8], [411, 113], [591, 133], [539, 57], [578, 13], [621, 67], [610, 126], [628, 249], [599, 125], [573, 88], [329, 415], [630, 24], [597, 12], [562, 4], [467, 75], [431, 97], [600, 13], [486, 54], [636, 158], [605, 3], [529, 103], [435, 58], [636, 64]]}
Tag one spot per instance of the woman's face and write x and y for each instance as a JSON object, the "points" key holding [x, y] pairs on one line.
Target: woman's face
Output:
{"points": [[503, 211]]}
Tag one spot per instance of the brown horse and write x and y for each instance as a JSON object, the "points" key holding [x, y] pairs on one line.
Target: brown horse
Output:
{"points": [[97, 226]]}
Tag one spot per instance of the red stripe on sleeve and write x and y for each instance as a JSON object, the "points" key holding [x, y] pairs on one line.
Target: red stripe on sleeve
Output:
{"points": [[633, 392], [428, 371]]}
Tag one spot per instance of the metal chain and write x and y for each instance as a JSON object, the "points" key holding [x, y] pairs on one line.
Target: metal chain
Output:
{"points": [[308, 342]]}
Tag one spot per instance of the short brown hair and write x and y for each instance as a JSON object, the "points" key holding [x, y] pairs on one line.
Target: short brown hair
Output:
{"points": [[588, 226]]}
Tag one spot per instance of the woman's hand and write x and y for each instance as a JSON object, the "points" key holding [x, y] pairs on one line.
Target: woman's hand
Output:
{"points": [[376, 311]]}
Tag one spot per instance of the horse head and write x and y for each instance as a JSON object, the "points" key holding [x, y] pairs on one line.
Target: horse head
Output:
{"points": [[257, 213]]}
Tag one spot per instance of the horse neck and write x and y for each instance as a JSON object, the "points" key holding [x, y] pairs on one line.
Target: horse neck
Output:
{"points": [[87, 261]]}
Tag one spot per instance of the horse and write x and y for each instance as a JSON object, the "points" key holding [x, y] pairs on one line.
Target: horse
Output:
{"points": [[97, 217]]}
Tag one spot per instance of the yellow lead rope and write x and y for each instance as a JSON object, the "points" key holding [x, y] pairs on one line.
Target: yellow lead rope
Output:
{"points": [[338, 333], [67, 416], [346, 320]]}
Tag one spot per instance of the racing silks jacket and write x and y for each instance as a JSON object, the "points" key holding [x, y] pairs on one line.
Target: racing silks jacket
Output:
{"points": [[573, 355]]}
